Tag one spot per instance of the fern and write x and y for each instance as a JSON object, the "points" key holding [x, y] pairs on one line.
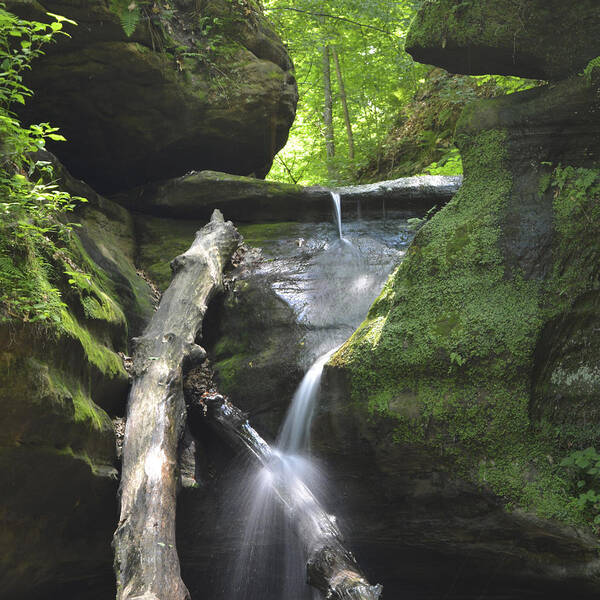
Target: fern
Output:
{"points": [[8, 270], [593, 64], [129, 14]]}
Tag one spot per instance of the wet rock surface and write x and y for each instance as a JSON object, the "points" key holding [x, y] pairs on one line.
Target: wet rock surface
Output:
{"points": [[286, 304], [304, 290], [249, 200]]}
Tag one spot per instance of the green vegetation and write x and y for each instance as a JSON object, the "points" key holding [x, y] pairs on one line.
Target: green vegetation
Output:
{"points": [[593, 64], [30, 203], [46, 278], [390, 116], [421, 140], [358, 45], [129, 13], [208, 40], [584, 467]]}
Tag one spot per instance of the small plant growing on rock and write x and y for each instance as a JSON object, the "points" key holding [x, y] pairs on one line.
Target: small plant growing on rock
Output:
{"points": [[584, 467], [129, 13]]}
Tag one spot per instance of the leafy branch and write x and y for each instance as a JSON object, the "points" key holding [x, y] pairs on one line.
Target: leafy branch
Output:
{"points": [[31, 204], [322, 15]]}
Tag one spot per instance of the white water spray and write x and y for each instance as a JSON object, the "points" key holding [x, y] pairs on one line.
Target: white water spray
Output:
{"points": [[295, 433]]}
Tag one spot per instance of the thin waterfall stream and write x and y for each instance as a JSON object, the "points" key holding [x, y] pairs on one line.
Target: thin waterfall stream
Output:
{"points": [[281, 499], [337, 204]]}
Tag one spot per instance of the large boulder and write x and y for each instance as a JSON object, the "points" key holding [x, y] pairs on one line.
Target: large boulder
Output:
{"points": [[475, 373], [539, 39], [192, 88]]}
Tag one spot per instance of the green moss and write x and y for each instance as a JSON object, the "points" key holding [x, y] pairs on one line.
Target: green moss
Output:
{"points": [[589, 68], [45, 401], [160, 241], [229, 370], [258, 234], [447, 350], [577, 223], [85, 411], [512, 27], [99, 355]]}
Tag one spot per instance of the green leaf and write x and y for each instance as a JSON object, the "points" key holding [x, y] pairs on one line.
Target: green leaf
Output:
{"points": [[61, 19]]}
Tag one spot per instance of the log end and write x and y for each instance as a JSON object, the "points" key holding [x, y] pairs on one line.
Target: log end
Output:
{"points": [[217, 216]]}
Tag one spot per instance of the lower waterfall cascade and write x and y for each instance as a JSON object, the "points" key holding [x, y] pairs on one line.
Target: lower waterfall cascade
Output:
{"points": [[269, 544]]}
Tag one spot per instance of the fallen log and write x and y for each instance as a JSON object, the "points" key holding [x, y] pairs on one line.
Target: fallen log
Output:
{"points": [[331, 568], [146, 561]]}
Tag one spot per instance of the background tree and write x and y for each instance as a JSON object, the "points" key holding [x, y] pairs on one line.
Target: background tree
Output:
{"points": [[397, 116], [362, 42]]}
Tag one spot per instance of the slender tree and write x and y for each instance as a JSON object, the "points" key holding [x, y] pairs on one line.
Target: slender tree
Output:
{"points": [[344, 101], [376, 81], [328, 130]]}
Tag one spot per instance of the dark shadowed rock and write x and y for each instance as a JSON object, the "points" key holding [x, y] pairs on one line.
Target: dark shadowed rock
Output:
{"points": [[161, 103], [539, 39]]}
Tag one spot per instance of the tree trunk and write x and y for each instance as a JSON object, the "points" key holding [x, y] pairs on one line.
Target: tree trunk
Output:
{"points": [[331, 568], [146, 561], [344, 100], [328, 112]]}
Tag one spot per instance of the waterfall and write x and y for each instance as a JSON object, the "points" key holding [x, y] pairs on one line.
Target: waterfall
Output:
{"points": [[281, 500], [294, 435], [337, 205], [282, 486]]}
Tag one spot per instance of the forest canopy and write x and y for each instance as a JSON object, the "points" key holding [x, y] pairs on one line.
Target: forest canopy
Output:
{"points": [[359, 89]]}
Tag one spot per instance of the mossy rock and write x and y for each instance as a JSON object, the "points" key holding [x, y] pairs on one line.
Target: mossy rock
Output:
{"points": [[537, 39], [160, 241], [57, 461], [250, 200], [496, 291], [242, 199], [61, 382], [107, 246], [162, 102]]}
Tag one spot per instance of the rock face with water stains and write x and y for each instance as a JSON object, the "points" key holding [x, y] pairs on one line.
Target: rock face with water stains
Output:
{"points": [[498, 291], [251, 200], [169, 99]]}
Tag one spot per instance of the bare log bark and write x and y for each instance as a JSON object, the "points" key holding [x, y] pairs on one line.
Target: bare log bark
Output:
{"points": [[146, 561], [331, 568]]}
